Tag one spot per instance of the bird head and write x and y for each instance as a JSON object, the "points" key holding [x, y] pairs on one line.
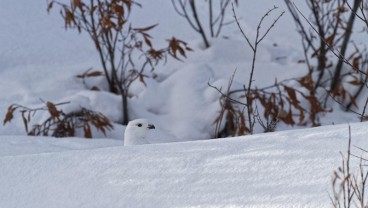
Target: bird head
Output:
{"points": [[137, 131]]}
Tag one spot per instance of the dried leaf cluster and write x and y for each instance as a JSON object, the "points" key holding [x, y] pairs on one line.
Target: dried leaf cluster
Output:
{"points": [[280, 102], [342, 67], [326, 43], [59, 124]]}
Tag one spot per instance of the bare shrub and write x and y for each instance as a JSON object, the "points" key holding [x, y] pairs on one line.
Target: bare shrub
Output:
{"points": [[125, 52], [328, 41], [233, 115], [280, 102], [60, 124], [240, 108], [349, 188]]}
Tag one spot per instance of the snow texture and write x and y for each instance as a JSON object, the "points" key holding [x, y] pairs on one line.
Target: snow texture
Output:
{"points": [[282, 169], [40, 60]]}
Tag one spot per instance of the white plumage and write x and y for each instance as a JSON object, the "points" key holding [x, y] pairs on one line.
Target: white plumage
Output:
{"points": [[137, 132]]}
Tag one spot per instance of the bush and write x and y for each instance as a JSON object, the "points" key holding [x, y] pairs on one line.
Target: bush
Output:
{"points": [[125, 52], [58, 123]]}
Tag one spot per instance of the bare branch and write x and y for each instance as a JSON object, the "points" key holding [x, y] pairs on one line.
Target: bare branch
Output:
{"points": [[333, 50], [273, 24], [240, 28]]}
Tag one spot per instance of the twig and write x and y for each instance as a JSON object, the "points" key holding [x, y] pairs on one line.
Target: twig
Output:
{"points": [[240, 28], [227, 95], [334, 51], [272, 25], [254, 47]]}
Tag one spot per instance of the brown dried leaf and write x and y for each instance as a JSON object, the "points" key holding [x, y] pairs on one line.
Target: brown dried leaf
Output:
{"points": [[53, 110], [87, 130], [301, 117], [147, 41], [157, 55], [9, 115], [315, 105], [68, 18], [145, 29], [365, 118], [119, 10], [95, 88], [141, 79], [128, 4], [94, 74], [175, 46], [75, 4], [307, 82], [330, 40], [343, 9], [243, 129], [32, 132], [356, 82], [188, 49], [49, 6], [288, 119], [352, 100], [356, 62], [107, 122], [107, 23], [90, 74], [291, 92]]}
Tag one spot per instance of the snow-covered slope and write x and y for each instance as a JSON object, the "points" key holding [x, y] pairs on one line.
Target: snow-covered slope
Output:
{"points": [[283, 169], [38, 59]]}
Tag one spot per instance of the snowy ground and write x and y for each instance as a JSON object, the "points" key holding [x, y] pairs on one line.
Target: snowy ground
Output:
{"points": [[283, 169], [39, 60]]}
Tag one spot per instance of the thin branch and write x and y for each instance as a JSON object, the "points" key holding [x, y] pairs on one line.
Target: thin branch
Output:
{"points": [[240, 28], [196, 19], [211, 17], [185, 14], [273, 24], [364, 109], [222, 15], [227, 96], [344, 45]]}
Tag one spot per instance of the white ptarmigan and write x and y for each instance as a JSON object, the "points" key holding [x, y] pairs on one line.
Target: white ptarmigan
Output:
{"points": [[137, 132]]}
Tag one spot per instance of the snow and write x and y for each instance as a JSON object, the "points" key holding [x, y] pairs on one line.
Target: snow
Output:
{"points": [[281, 169], [39, 60]]}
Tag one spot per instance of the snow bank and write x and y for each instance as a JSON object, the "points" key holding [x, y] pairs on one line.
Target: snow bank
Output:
{"points": [[283, 169]]}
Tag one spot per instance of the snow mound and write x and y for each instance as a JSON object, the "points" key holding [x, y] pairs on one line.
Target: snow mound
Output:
{"points": [[283, 169]]}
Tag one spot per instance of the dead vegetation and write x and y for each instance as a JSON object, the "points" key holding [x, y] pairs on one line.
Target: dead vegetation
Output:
{"points": [[58, 123], [127, 53], [337, 71], [348, 185]]}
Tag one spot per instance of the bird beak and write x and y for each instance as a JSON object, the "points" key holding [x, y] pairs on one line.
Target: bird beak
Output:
{"points": [[151, 126]]}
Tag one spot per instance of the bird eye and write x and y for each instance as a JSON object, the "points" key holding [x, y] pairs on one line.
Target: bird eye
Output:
{"points": [[139, 125]]}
